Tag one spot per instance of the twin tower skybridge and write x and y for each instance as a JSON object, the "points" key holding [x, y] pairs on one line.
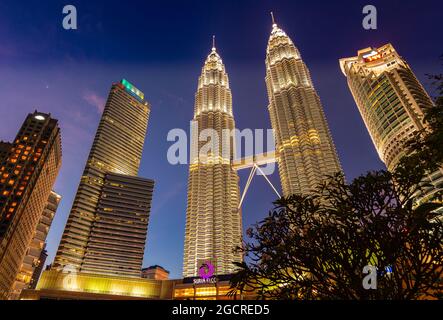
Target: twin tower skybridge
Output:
{"points": [[254, 162]]}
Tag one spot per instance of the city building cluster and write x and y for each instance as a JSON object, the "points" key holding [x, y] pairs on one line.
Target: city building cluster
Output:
{"points": [[101, 250]]}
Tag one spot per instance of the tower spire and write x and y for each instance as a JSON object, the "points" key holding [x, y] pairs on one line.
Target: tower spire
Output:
{"points": [[273, 19], [213, 43]]}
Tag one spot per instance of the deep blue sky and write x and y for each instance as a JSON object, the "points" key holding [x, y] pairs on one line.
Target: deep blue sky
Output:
{"points": [[161, 48]]}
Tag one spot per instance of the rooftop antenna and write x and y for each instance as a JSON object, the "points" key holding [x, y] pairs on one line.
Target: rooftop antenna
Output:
{"points": [[213, 43], [273, 20]]}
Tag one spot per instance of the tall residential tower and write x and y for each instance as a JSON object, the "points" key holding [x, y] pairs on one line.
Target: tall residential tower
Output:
{"points": [[306, 152], [28, 169], [107, 227], [391, 102], [35, 258], [213, 219]]}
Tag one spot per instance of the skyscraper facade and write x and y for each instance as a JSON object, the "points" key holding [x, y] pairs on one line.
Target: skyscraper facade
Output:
{"points": [[5, 147], [118, 237], [213, 218], [95, 225], [33, 259], [306, 152], [391, 102], [27, 174], [38, 269]]}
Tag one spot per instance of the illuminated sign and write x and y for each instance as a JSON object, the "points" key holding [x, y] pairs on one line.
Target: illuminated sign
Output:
{"points": [[373, 55], [130, 87], [211, 280], [206, 273]]}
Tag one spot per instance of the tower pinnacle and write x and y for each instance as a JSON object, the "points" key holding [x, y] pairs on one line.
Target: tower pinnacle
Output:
{"points": [[213, 43], [273, 20]]}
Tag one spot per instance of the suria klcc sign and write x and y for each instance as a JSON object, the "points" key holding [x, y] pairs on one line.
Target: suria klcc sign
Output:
{"points": [[206, 273]]}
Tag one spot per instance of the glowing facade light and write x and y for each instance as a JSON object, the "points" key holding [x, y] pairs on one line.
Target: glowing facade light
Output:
{"points": [[131, 88]]}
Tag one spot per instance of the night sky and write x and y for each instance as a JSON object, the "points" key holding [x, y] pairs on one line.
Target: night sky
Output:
{"points": [[161, 48]]}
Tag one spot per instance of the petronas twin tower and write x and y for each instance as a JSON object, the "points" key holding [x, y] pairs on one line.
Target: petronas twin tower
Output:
{"points": [[305, 152], [304, 147], [213, 220]]}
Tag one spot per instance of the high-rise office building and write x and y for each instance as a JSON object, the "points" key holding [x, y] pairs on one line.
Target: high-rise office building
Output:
{"points": [[33, 262], [213, 218], [391, 102], [27, 174], [306, 152], [117, 240], [103, 227]]}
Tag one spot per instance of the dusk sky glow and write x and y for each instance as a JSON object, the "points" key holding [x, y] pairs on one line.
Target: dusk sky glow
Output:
{"points": [[161, 48]]}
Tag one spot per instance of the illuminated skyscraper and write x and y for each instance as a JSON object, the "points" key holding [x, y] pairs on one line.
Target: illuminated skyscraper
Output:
{"points": [[106, 229], [306, 152], [27, 174], [213, 219], [33, 262], [391, 102]]}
